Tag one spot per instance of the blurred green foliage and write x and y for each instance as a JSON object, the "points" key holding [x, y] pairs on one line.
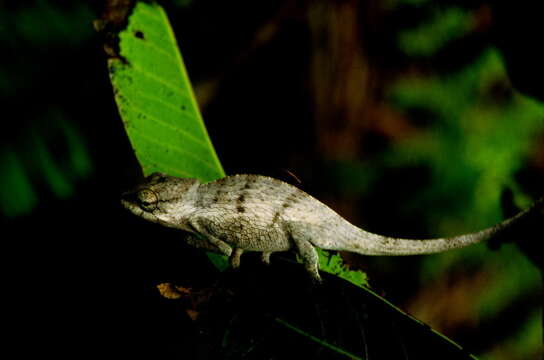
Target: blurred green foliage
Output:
{"points": [[524, 344], [54, 158], [394, 3], [479, 133], [511, 275], [471, 134], [446, 25], [43, 152], [482, 130], [17, 195], [45, 25]]}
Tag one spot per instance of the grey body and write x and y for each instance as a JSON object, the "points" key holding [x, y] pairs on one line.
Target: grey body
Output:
{"points": [[257, 213]]}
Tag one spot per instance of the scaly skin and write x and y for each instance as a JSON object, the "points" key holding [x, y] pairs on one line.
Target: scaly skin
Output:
{"points": [[258, 213]]}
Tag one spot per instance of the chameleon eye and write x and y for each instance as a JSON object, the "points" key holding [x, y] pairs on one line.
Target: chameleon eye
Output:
{"points": [[148, 199]]}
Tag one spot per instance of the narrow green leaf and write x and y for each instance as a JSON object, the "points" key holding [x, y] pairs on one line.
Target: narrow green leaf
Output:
{"points": [[157, 104], [402, 313], [321, 342], [156, 100]]}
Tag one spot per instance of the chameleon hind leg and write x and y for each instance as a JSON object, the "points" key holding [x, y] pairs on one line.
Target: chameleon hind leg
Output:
{"points": [[234, 259], [307, 252], [265, 257]]}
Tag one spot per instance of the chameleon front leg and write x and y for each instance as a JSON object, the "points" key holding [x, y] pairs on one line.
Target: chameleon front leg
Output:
{"points": [[199, 227], [200, 241]]}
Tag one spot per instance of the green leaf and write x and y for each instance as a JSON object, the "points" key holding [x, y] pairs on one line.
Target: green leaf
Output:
{"points": [[333, 264], [156, 100], [321, 342], [157, 104]]}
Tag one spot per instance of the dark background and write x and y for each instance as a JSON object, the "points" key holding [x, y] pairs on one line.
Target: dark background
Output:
{"points": [[301, 86]]}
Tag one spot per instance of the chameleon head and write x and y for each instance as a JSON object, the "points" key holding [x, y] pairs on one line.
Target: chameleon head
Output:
{"points": [[162, 199]]}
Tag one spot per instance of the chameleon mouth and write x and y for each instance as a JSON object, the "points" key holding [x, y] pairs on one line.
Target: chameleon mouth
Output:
{"points": [[135, 209], [129, 202], [126, 204]]}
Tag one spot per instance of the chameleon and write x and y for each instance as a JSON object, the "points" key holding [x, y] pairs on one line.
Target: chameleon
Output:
{"points": [[241, 213]]}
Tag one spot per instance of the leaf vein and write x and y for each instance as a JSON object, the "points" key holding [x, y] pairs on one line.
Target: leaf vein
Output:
{"points": [[150, 139], [150, 75], [166, 124], [150, 13], [170, 105], [168, 54]]}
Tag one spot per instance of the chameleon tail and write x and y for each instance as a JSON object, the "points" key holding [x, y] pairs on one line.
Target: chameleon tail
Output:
{"points": [[367, 243]]}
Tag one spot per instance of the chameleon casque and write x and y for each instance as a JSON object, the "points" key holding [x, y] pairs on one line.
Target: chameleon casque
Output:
{"points": [[258, 213]]}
